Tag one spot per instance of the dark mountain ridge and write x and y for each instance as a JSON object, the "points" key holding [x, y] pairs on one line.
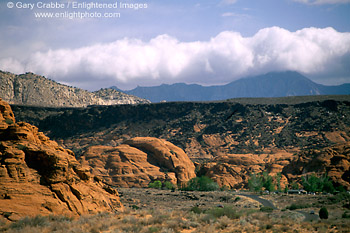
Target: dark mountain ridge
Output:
{"points": [[274, 84]]}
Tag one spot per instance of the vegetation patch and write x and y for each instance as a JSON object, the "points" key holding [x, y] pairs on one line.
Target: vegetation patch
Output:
{"points": [[202, 183], [266, 209], [323, 213], [298, 206], [161, 185]]}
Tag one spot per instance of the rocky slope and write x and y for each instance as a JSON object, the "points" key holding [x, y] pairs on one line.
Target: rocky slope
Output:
{"points": [[232, 138], [139, 161], [39, 177], [35, 90], [203, 130]]}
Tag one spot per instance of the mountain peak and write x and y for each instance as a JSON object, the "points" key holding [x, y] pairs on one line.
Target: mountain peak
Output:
{"points": [[272, 84]]}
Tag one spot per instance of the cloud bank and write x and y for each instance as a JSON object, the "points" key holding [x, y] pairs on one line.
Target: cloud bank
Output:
{"points": [[164, 59]]}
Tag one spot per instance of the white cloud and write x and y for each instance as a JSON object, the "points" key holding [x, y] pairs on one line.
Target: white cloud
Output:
{"points": [[228, 2], [164, 59], [321, 2]]}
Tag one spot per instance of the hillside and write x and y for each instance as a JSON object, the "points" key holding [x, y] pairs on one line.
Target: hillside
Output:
{"points": [[203, 130], [35, 90], [274, 84], [228, 139]]}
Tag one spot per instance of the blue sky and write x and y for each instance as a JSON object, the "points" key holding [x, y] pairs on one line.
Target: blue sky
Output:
{"points": [[208, 42]]}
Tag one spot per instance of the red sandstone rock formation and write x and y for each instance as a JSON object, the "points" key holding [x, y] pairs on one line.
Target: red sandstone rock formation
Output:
{"points": [[234, 170], [39, 177], [333, 161], [138, 162]]}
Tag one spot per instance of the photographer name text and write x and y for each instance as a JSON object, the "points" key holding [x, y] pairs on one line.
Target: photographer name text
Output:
{"points": [[76, 5]]}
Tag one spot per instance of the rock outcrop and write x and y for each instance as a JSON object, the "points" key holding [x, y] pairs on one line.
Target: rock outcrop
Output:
{"points": [[233, 171], [39, 177], [333, 161], [35, 90], [138, 162]]}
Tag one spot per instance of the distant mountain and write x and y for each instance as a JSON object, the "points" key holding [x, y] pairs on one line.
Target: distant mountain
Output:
{"points": [[32, 89], [274, 84]]}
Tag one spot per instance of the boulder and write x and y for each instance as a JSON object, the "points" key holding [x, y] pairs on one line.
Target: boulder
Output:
{"points": [[39, 177], [139, 161]]}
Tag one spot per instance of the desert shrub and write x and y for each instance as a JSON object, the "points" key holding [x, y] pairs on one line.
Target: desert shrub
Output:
{"points": [[153, 229], [346, 214], [168, 185], [227, 211], [37, 221], [266, 209], [297, 206], [226, 198], [202, 183], [159, 185], [292, 207], [266, 227], [135, 207], [223, 222], [347, 205], [237, 199], [196, 210], [323, 213], [156, 184], [225, 188]]}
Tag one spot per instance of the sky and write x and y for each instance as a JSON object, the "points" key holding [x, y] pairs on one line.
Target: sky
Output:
{"points": [[97, 44]]}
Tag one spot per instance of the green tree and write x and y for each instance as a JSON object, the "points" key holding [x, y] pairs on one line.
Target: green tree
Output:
{"points": [[327, 184], [278, 181], [318, 184], [294, 185], [255, 182], [156, 184], [311, 183], [202, 183], [268, 182]]}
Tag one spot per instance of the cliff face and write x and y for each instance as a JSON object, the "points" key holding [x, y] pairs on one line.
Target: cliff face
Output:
{"points": [[35, 90], [39, 177]]}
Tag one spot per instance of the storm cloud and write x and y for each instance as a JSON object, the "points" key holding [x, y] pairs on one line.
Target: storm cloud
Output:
{"points": [[164, 59]]}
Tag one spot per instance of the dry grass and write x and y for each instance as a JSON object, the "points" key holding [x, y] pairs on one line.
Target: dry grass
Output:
{"points": [[202, 215], [210, 220]]}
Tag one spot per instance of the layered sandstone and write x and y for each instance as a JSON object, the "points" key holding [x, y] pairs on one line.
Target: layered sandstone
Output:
{"points": [[39, 177], [138, 162]]}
